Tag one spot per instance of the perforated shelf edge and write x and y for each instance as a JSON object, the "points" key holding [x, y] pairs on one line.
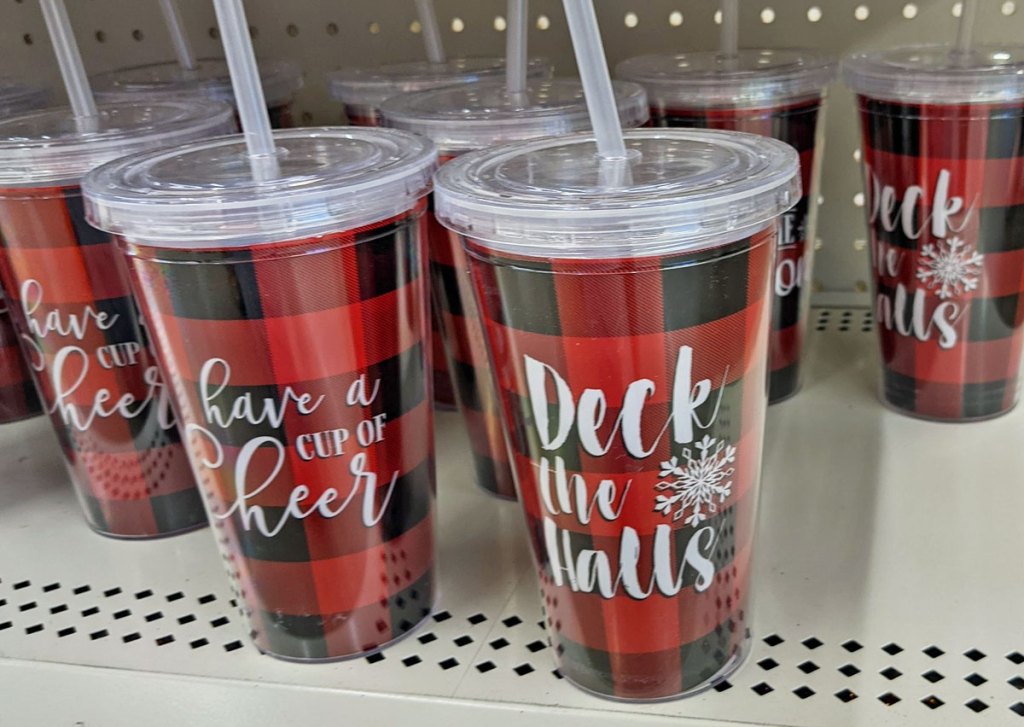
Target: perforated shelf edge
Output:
{"points": [[888, 592]]}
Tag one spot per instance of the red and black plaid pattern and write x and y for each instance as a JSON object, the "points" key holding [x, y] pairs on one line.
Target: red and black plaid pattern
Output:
{"points": [[444, 388], [127, 464], [470, 369], [981, 147], [557, 312], [18, 397], [797, 125], [309, 317]]}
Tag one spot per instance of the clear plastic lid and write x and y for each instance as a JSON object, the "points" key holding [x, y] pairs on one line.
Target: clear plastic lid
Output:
{"points": [[203, 195], [374, 86], [17, 97], [689, 189], [938, 74], [281, 79], [49, 148], [754, 77], [478, 115]]}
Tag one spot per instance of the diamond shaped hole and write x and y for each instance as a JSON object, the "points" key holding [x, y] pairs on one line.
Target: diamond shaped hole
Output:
{"points": [[892, 649], [485, 667], [846, 695], [427, 638], [803, 692], [499, 643], [512, 621], [412, 660], [933, 676], [773, 640], [768, 663], [812, 643], [976, 706], [477, 618], [1017, 682], [932, 702], [723, 686], [934, 651], [808, 667], [762, 689], [535, 646], [464, 640], [374, 658], [1016, 657], [852, 646], [890, 673], [889, 699], [449, 663], [974, 655], [523, 669], [1018, 709], [975, 679], [849, 670]]}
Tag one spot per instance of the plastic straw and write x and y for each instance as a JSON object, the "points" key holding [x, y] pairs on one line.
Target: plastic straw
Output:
{"points": [[245, 80], [968, 12], [179, 39], [597, 84], [431, 31], [515, 47], [730, 37], [70, 60]]}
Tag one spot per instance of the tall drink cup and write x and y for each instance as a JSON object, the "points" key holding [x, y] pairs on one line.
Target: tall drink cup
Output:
{"points": [[627, 308], [18, 397], [943, 151], [776, 93], [70, 302], [209, 79], [464, 118], [364, 90], [290, 316]]}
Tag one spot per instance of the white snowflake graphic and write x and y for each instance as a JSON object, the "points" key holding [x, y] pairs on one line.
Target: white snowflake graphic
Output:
{"points": [[699, 484], [951, 266]]}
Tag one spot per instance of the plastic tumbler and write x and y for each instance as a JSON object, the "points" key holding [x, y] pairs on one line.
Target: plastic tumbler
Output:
{"points": [[363, 90], [460, 119], [290, 316], [18, 397], [210, 79], [776, 93], [70, 302], [627, 310], [943, 152]]}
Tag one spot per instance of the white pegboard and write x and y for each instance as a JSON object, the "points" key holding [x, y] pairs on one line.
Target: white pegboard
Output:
{"points": [[328, 34]]}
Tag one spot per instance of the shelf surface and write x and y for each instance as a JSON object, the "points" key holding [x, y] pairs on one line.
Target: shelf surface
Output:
{"points": [[889, 588]]}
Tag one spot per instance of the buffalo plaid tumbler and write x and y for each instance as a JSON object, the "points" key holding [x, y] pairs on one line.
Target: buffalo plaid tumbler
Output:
{"points": [[943, 151], [460, 119], [627, 309], [364, 90], [18, 397], [290, 316], [776, 93], [69, 298]]}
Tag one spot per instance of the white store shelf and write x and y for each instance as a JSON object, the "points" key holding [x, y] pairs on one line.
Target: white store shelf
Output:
{"points": [[896, 534]]}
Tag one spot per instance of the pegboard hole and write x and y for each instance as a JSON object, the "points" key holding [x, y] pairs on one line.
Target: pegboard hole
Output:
{"points": [[888, 699], [631, 20], [910, 11], [27, 39], [1016, 657], [374, 28], [932, 702], [858, 199], [808, 667], [1016, 682], [485, 667], [814, 14], [543, 22], [524, 669], [332, 29], [934, 651], [891, 673], [762, 689], [812, 642], [718, 17], [675, 18], [415, 27], [214, 33], [957, 9], [804, 692], [768, 663], [1018, 709], [500, 24], [846, 695], [849, 670], [933, 676], [974, 655], [862, 12], [1009, 8], [768, 16], [101, 37], [773, 640], [512, 621], [137, 35], [293, 30], [975, 679], [458, 25], [976, 706]]}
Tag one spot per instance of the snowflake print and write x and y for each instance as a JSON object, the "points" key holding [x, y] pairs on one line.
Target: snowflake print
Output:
{"points": [[951, 266], [698, 485]]}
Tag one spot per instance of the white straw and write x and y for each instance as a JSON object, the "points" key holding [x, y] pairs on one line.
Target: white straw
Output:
{"points": [[968, 12], [730, 37], [515, 47], [597, 84], [245, 79], [179, 39], [70, 60], [431, 31]]}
